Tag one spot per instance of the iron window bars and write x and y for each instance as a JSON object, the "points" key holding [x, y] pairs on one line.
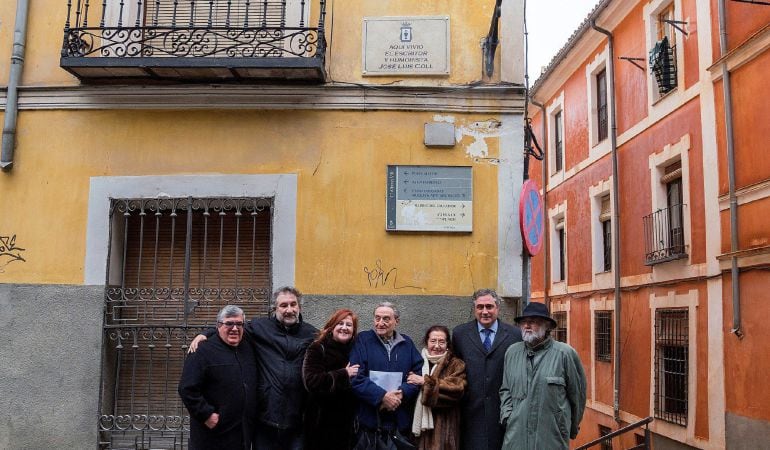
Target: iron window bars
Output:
{"points": [[560, 332], [671, 365], [603, 335], [173, 264]]}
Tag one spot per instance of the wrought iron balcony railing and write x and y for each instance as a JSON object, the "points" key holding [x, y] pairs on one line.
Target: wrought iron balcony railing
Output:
{"points": [[664, 235], [217, 40]]}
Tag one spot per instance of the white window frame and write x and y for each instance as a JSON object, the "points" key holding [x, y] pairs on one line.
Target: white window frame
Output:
{"points": [[597, 148], [657, 103], [557, 105], [689, 300], [601, 279], [658, 162], [282, 188], [556, 215]]}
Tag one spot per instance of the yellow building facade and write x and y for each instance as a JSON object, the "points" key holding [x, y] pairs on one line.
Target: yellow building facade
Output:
{"points": [[168, 160]]}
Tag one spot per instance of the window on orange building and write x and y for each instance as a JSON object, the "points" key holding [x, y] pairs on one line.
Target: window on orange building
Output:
{"points": [[603, 335], [671, 365], [663, 57], [605, 218], [601, 105], [560, 332], [605, 444], [561, 242], [558, 141]]}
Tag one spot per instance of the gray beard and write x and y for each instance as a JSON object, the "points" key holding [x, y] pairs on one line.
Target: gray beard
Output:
{"points": [[531, 337]]}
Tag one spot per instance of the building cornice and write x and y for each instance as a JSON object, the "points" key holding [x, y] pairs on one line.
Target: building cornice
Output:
{"points": [[480, 98]]}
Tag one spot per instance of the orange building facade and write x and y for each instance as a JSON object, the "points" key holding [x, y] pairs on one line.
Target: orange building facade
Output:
{"points": [[656, 195]]}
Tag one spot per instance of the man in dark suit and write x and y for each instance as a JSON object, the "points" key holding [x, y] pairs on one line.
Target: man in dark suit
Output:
{"points": [[482, 343]]}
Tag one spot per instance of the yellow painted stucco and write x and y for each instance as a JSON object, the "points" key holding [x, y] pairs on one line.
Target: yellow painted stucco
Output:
{"points": [[340, 159], [469, 25]]}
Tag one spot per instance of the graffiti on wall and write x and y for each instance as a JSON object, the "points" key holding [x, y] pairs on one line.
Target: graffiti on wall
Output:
{"points": [[9, 252], [379, 277]]}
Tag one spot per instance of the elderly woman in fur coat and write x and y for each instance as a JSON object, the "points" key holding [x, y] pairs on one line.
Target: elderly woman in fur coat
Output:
{"points": [[437, 413], [327, 372]]}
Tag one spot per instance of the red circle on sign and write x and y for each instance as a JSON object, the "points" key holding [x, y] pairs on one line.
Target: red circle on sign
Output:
{"points": [[531, 217]]}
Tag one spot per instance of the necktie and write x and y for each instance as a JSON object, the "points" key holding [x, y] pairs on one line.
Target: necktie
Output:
{"points": [[487, 339]]}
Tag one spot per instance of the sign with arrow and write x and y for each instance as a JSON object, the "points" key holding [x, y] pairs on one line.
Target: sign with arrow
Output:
{"points": [[429, 198]]}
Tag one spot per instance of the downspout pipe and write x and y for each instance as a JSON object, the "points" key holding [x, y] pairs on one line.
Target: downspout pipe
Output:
{"points": [[728, 107], [615, 212], [544, 174], [12, 99]]}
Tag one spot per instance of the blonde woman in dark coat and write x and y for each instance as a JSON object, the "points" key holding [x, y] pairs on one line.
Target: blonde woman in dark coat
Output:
{"points": [[437, 413]]}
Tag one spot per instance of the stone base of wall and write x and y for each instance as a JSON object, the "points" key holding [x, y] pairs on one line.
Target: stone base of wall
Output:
{"points": [[744, 433], [417, 312], [49, 365], [50, 353]]}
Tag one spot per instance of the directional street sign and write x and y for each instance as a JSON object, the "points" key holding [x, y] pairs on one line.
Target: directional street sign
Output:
{"points": [[429, 198]]}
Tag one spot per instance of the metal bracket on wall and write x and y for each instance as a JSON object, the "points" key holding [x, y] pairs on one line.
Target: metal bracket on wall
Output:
{"points": [[491, 41], [677, 24], [633, 61]]}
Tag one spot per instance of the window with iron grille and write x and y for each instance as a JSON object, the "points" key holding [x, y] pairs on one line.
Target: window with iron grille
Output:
{"points": [[671, 365], [603, 335], [173, 264], [558, 141], [607, 443], [605, 218], [601, 105], [560, 332]]}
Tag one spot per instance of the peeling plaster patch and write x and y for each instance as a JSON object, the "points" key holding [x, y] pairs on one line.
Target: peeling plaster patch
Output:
{"points": [[440, 118], [480, 131]]}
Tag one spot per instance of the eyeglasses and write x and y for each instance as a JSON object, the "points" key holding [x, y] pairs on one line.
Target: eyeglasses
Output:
{"points": [[230, 324], [439, 342]]}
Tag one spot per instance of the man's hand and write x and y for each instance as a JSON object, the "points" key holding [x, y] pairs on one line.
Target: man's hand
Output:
{"points": [[392, 400], [415, 379], [194, 346], [352, 370], [213, 419]]}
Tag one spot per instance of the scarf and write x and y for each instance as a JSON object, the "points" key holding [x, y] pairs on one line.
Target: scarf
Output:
{"points": [[423, 415]]}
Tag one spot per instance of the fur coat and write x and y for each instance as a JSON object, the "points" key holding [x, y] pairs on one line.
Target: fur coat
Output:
{"points": [[442, 392]]}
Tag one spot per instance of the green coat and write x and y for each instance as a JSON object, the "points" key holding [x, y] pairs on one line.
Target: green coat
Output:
{"points": [[542, 397]]}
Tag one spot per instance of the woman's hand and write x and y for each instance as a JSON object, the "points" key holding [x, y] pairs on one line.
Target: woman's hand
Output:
{"points": [[415, 379], [352, 370]]}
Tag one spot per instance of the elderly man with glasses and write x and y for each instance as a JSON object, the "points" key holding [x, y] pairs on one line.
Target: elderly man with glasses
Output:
{"points": [[280, 341], [218, 387]]}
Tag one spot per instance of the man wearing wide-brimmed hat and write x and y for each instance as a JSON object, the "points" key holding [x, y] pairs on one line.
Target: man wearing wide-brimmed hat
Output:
{"points": [[543, 394]]}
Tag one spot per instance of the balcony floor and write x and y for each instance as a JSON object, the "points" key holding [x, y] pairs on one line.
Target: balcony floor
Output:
{"points": [[92, 69]]}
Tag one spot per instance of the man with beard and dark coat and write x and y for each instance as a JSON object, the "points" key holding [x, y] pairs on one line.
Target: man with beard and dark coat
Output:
{"points": [[280, 341], [218, 387], [481, 344]]}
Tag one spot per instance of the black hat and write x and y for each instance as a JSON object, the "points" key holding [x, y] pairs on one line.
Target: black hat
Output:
{"points": [[535, 309]]}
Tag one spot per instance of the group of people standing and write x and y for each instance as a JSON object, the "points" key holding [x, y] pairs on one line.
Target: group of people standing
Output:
{"points": [[279, 383]]}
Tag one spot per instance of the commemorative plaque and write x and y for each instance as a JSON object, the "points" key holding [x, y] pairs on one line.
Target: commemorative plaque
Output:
{"points": [[417, 45]]}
